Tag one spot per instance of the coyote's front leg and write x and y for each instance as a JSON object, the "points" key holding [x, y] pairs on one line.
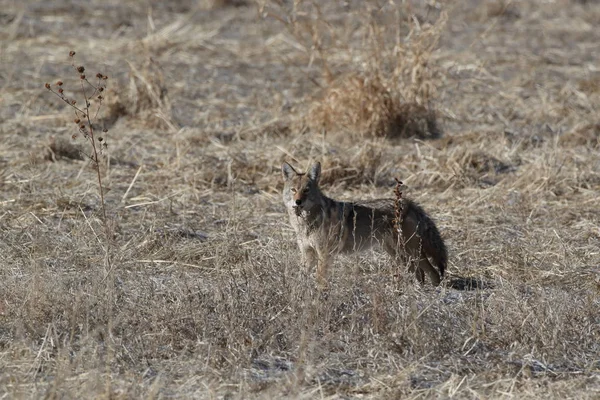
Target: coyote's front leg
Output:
{"points": [[322, 266], [311, 258]]}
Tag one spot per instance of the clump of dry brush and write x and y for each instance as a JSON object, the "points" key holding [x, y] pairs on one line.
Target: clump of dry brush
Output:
{"points": [[366, 107], [376, 74]]}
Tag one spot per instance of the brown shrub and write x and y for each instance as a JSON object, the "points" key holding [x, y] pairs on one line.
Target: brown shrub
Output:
{"points": [[366, 108], [372, 84], [146, 101]]}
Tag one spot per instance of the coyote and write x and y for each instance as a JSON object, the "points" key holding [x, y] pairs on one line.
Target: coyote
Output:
{"points": [[325, 227]]}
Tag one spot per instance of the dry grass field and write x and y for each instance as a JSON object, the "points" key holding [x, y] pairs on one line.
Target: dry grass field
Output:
{"points": [[192, 287]]}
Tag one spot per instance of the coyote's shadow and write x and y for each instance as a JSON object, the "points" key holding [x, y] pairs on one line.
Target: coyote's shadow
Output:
{"points": [[470, 283]]}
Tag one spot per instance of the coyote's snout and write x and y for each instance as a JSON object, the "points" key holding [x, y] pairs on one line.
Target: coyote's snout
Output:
{"points": [[325, 227]]}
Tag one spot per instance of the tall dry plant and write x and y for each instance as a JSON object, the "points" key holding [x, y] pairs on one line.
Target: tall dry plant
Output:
{"points": [[376, 73], [398, 211], [86, 117]]}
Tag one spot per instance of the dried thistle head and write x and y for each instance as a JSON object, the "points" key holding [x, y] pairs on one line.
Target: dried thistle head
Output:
{"points": [[85, 123]]}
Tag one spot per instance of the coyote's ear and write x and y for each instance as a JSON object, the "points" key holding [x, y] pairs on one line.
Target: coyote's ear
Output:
{"points": [[315, 172], [287, 171]]}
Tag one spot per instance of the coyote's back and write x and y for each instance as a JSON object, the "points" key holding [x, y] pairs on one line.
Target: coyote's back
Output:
{"points": [[325, 227]]}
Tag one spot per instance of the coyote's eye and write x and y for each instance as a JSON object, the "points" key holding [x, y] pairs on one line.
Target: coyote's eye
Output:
{"points": [[306, 189], [293, 190]]}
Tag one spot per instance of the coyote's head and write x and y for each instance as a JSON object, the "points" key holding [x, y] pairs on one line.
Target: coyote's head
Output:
{"points": [[301, 191]]}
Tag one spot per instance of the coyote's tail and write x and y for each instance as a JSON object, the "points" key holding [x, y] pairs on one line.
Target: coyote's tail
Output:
{"points": [[440, 255], [432, 241]]}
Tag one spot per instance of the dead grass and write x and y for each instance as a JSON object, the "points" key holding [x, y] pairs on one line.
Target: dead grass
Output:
{"points": [[381, 84], [364, 107], [147, 99], [206, 298]]}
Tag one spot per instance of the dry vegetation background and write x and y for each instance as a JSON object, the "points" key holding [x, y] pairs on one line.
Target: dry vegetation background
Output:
{"points": [[488, 111]]}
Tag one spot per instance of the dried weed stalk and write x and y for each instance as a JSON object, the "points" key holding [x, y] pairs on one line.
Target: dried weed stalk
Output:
{"points": [[86, 116], [398, 210]]}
